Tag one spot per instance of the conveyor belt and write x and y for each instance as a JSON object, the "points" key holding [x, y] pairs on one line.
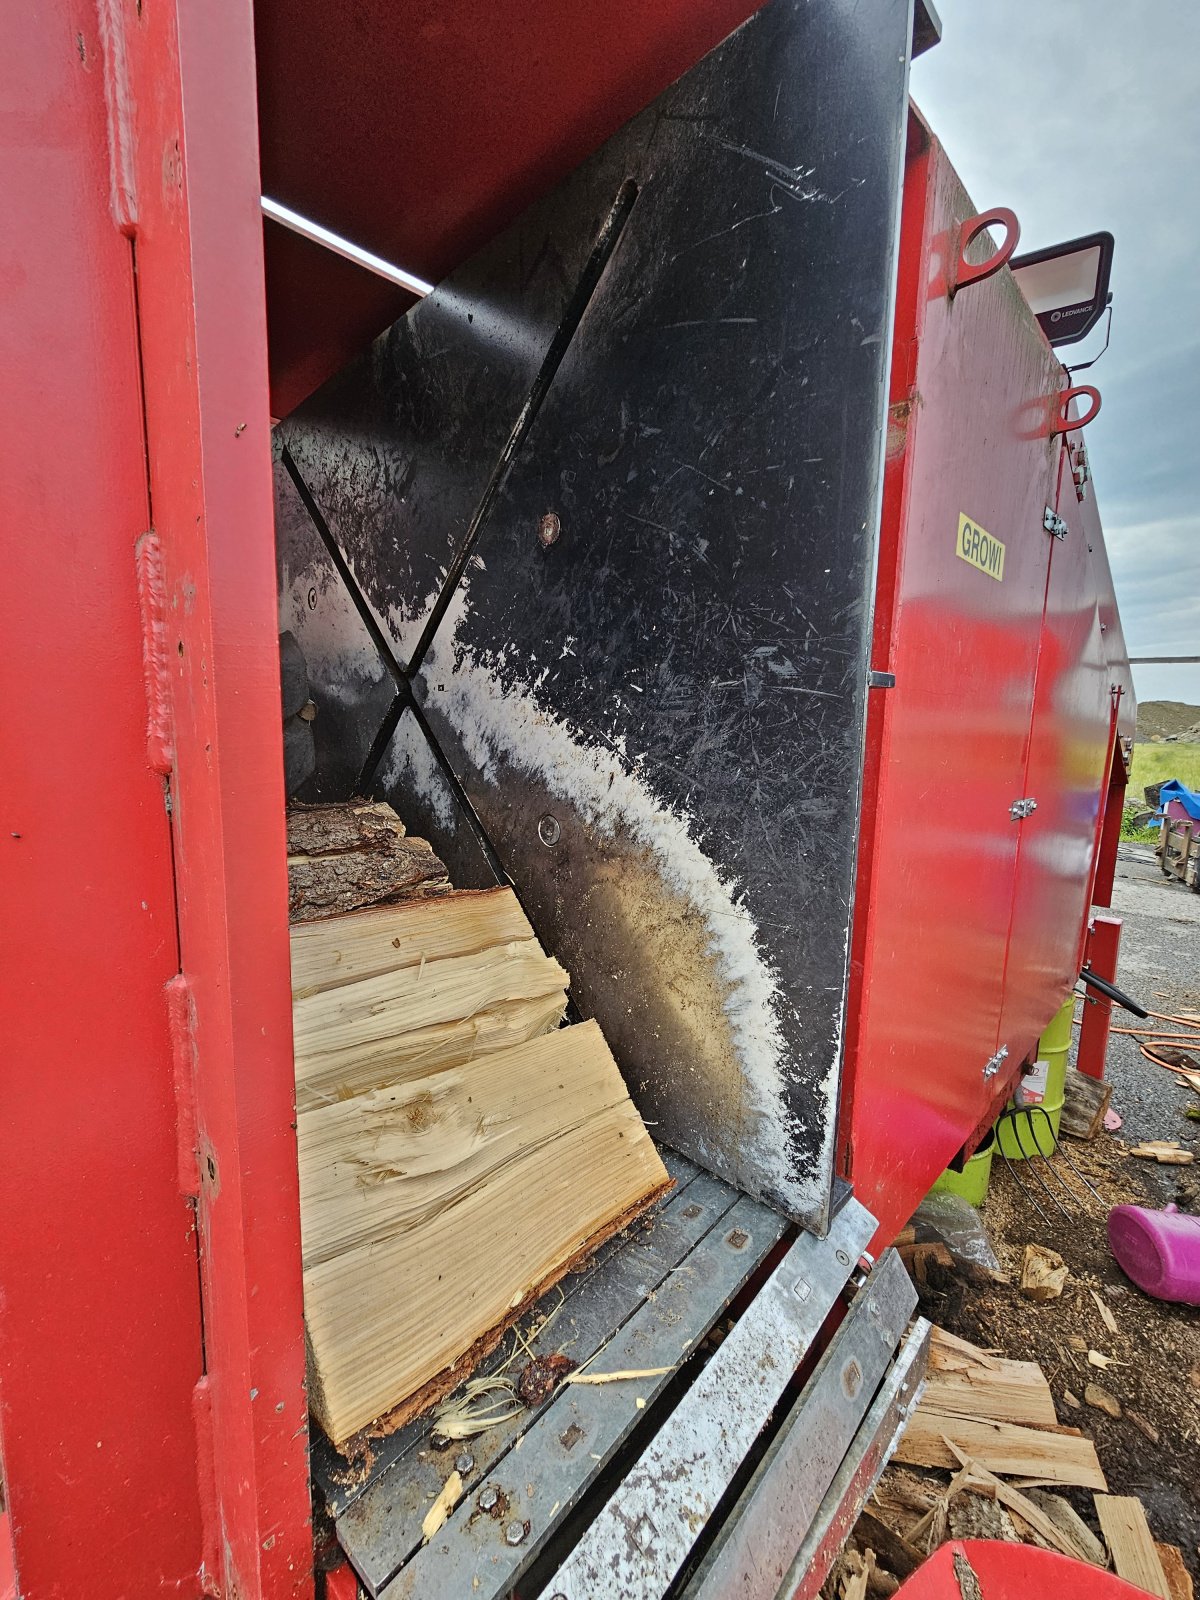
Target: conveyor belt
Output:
{"points": [[622, 1488]]}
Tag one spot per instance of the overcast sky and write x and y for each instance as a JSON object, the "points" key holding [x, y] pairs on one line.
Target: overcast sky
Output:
{"points": [[1081, 115]]}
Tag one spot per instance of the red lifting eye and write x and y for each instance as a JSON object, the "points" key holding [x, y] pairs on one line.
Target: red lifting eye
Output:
{"points": [[966, 272], [1061, 420]]}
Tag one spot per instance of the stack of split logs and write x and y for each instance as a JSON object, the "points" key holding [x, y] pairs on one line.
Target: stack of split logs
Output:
{"points": [[991, 1424], [459, 1150]]}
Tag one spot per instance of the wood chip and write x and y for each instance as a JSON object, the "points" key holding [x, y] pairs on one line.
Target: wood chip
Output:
{"points": [[451, 1494], [1100, 1398], [1053, 1455], [895, 1551], [980, 1481], [1165, 1151], [1070, 1524], [856, 1585], [1043, 1273], [1076, 1342], [1179, 1579], [1097, 1359], [1106, 1316], [1127, 1534], [1072, 1400], [1000, 1390], [1141, 1424], [618, 1377]]}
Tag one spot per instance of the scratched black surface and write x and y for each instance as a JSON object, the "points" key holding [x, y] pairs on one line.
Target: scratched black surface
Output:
{"points": [[711, 444]]}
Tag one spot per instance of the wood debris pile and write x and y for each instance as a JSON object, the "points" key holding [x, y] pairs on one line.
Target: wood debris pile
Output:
{"points": [[991, 1423]]}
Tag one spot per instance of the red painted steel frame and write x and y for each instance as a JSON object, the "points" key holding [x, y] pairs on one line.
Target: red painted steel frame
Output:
{"points": [[152, 1414], [198, 241], [949, 743], [100, 1324], [969, 925]]}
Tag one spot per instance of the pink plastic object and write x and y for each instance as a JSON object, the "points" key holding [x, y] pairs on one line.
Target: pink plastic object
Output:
{"points": [[1159, 1250]]}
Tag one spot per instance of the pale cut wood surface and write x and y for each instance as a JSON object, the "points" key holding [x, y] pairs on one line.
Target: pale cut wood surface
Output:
{"points": [[365, 944], [1130, 1543], [964, 1381], [387, 1320], [395, 1003], [1051, 1455], [387, 1162], [323, 1080]]}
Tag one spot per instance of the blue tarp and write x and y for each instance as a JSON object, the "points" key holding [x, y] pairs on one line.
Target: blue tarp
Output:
{"points": [[1174, 790]]}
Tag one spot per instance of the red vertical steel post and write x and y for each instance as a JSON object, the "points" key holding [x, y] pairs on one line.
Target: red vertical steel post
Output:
{"points": [[1103, 946], [184, 131], [100, 1321]]}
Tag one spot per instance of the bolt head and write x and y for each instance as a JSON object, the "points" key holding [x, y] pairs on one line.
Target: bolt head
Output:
{"points": [[843, 1258], [514, 1533], [464, 1461], [549, 830], [489, 1497], [549, 529]]}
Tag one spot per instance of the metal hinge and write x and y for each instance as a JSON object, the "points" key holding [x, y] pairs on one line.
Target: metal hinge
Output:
{"points": [[1053, 523], [995, 1062], [1020, 809], [1081, 472]]}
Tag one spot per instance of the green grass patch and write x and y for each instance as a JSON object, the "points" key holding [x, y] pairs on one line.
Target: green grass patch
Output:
{"points": [[1155, 763]]}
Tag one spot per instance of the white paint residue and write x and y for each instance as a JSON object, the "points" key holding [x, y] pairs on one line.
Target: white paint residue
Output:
{"points": [[410, 766], [497, 723]]}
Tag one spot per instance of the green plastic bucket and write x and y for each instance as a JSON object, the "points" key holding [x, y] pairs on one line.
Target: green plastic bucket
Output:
{"points": [[1021, 1134], [972, 1182]]}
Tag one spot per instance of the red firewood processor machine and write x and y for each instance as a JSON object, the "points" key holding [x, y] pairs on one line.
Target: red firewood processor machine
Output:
{"points": [[670, 482]]}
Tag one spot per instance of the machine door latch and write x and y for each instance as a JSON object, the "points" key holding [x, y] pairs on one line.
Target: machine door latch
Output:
{"points": [[1053, 523], [881, 680], [994, 1063], [1020, 809]]}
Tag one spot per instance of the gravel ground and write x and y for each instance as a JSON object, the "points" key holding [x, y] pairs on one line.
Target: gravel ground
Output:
{"points": [[1160, 966]]}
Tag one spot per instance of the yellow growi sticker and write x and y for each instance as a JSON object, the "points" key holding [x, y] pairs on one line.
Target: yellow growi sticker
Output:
{"points": [[980, 548]]}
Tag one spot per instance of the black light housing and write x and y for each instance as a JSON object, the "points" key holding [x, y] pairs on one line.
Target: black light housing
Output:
{"points": [[1066, 285]]}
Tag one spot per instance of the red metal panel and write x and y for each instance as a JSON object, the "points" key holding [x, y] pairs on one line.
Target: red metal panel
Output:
{"points": [[1066, 774], [971, 381], [420, 129], [191, 94], [100, 1341]]}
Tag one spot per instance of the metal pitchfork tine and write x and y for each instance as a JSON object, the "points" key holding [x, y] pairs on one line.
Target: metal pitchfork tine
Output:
{"points": [[1060, 1149], [1030, 1167], [1028, 1193], [1037, 1154]]}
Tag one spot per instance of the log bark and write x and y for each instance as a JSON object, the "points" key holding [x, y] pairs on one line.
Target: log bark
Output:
{"points": [[344, 857]]}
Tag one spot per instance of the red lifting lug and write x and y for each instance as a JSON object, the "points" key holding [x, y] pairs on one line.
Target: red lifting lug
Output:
{"points": [[962, 271], [1061, 420]]}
